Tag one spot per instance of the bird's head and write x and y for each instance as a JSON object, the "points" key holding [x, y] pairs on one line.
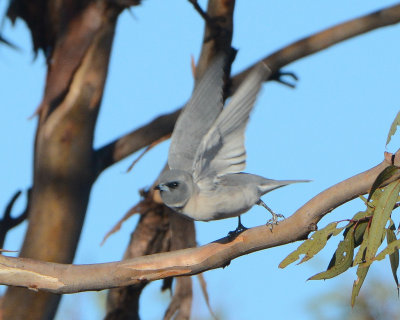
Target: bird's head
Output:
{"points": [[176, 188]]}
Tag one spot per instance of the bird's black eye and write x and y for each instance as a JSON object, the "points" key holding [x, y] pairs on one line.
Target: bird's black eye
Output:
{"points": [[173, 185]]}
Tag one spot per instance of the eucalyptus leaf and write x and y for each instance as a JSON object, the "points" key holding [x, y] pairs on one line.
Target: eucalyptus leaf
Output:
{"points": [[390, 249], [359, 233], [360, 223], [386, 174], [361, 274], [360, 256], [393, 257], [313, 245], [382, 212], [393, 127], [341, 260]]}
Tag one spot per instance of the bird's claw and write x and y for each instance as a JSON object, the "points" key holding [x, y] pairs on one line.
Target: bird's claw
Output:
{"points": [[274, 220], [240, 228], [275, 216], [233, 234], [278, 76]]}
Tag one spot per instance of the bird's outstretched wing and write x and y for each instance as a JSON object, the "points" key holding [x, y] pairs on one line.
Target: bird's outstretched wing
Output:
{"points": [[222, 149], [197, 117]]}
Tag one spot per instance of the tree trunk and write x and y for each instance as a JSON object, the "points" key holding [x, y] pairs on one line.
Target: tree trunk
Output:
{"points": [[64, 162]]}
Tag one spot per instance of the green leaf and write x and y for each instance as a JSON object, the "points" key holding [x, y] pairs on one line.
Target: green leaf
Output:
{"points": [[393, 127], [363, 199], [313, 245], [359, 233], [342, 258], [386, 174], [390, 249], [363, 237], [393, 257], [382, 212], [360, 226], [361, 274], [360, 215]]}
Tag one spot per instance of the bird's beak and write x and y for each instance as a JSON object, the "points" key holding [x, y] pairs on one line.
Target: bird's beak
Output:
{"points": [[161, 187]]}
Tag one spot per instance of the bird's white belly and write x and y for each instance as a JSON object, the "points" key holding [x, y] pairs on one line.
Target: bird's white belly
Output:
{"points": [[220, 205]]}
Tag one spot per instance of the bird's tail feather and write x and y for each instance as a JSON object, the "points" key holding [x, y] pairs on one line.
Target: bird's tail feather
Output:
{"points": [[275, 184]]}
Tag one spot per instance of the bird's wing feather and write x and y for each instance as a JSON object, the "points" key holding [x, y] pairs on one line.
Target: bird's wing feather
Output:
{"points": [[197, 117], [222, 149]]}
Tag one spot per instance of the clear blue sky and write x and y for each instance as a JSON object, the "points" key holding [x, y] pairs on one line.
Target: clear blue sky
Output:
{"points": [[332, 126]]}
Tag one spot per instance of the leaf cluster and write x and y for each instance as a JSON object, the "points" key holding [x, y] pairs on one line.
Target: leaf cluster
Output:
{"points": [[366, 230]]}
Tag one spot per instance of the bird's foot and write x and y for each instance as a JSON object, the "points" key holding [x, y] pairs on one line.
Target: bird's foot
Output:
{"points": [[275, 216], [233, 234], [274, 220], [278, 76], [240, 228]]}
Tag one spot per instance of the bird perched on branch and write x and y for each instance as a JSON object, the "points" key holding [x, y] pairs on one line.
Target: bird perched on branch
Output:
{"points": [[207, 152]]}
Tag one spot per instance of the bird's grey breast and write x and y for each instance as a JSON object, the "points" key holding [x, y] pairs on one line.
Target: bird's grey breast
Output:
{"points": [[229, 196]]}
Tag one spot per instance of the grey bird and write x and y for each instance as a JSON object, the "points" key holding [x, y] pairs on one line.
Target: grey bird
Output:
{"points": [[207, 153]]}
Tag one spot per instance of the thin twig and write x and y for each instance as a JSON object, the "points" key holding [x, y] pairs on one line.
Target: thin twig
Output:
{"points": [[147, 149], [8, 222], [201, 12]]}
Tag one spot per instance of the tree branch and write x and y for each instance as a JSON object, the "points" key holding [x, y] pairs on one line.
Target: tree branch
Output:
{"points": [[66, 278], [325, 39], [135, 140], [161, 126], [7, 222], [201, 12]]}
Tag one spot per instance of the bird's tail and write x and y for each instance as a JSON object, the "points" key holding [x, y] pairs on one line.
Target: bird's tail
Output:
{"points": [[270, 184]]}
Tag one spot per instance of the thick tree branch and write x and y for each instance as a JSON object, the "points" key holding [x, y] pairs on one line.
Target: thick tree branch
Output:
{"points": [[132, 142], [135, 140], [65, 278], [325, 39]]}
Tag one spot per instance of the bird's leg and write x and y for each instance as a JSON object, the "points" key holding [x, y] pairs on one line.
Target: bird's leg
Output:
{"points": [[240, 228], [278, 76], [275, 216]]}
